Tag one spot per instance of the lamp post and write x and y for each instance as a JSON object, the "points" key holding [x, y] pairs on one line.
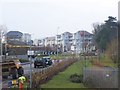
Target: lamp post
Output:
{"points": [[84, 47], [30, 54], [57, 41]]}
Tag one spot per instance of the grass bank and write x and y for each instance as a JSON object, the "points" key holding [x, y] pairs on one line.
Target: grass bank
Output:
{"points": [[62, 79], [105, 61]]}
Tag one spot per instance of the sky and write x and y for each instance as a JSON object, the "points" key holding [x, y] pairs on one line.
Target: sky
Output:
{"points": [[41, 18]]}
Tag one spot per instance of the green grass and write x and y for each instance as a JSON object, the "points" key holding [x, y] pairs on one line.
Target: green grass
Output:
{"points": [[62, 79], [108, 62]]}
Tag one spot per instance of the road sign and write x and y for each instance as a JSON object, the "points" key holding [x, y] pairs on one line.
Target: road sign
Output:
{"points": [[30, 52]]}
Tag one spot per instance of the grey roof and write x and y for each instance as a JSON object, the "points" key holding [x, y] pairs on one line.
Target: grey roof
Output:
{"points": [[14, 34]]}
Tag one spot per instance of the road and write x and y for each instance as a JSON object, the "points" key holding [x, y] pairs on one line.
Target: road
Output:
{"points": [[26, 67]]}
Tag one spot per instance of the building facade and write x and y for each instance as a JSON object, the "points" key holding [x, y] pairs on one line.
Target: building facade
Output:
{"points": [[50, 41], [26, 38], [64, 41], [39, 42], [78, 42], [14, 36], [82, 41]]}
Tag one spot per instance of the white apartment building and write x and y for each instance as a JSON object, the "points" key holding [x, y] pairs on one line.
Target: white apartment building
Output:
{"points": [[26, 38], [39, 42], [76, 42], [82, 41], [65, 40], [50, 41]]}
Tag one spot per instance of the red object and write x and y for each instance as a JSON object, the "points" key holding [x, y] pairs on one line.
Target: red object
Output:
{"points": [[20, 86]]}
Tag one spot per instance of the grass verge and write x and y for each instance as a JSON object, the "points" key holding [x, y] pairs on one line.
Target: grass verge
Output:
{"points": [[62, 79]]}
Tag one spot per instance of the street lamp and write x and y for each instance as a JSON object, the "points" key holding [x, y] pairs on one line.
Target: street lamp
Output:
{"points": [[84, 47], [57, 41], [30, 54]]}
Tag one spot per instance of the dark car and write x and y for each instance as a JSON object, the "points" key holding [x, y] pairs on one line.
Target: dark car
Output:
{"points": [[48, 60], [39, 62]]}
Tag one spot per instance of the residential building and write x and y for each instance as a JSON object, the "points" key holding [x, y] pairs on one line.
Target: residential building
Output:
{"points": [[65, 40], [14, 36], [78, 42], [50, 41], [26, 38], [82, 41], [39, 42]]}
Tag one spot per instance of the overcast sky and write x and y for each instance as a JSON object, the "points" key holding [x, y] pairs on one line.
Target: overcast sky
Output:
{"points": [[41, 18]]}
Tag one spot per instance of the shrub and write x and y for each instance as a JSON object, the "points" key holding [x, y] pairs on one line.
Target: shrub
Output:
{"points": [[45, 75], [23, 60], [89, 82], [76, 78]]}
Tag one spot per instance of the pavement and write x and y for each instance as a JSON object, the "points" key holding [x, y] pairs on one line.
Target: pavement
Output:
{"points": [[105, 77]]}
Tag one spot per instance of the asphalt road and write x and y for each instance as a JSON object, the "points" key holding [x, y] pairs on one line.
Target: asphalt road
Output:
{"points": [[26, 67]]}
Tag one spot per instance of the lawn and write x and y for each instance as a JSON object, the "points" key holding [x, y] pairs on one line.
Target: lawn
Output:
{"points": [[62, 79]]}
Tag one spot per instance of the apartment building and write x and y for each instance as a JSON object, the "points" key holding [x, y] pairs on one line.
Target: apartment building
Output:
{"points": [[26, 38], [14, 36], [71, 42], [64, 41], [50, 41], [82, 41], [39, 42]]}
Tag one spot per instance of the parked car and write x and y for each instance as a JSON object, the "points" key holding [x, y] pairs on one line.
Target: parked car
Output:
{"points": [[39, 62], [48, 60]]}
